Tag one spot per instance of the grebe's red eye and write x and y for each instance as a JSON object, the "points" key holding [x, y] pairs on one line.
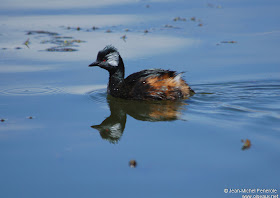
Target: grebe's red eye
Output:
{"points": [[104, 60]]}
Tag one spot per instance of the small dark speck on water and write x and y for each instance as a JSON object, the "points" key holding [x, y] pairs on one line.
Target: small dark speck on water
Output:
{"points": [[228, 41], [2, 120], [132, 164], [124, 38], [146, 31], [169, 26]]}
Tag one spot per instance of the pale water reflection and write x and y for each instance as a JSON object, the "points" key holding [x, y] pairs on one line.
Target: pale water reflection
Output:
{"points": [[112, 128]]}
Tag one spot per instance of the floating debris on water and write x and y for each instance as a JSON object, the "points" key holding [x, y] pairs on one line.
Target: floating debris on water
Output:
{"points": [[62, 43], [58, 42], [42, 32], [132, 164], [179, 19], [53, 41], [77, 41], [63, 37], [26, 43], [246, 144], [193, 19], [228, 41], [70, 42], [124, 37], [169, 26], [60, 49]]}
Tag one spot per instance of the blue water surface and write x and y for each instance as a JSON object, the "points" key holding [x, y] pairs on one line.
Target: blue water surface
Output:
{"points": [[62, 136]]}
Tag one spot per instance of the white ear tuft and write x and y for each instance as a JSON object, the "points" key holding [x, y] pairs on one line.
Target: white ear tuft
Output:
{"points": [[113, 59]]}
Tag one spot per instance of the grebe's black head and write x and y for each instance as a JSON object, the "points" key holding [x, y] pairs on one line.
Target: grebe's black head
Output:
{"points": [[108, 58]]}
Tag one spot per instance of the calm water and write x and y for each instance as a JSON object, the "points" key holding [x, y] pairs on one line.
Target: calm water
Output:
{"points": [[62, 136]]}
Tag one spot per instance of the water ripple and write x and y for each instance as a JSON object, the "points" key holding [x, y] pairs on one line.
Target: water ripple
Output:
{"points": [[238, 99], [98, 95], [30, 91]]}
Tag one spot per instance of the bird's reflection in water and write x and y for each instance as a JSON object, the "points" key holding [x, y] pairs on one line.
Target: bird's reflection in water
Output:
{"points": [[113, 126]]}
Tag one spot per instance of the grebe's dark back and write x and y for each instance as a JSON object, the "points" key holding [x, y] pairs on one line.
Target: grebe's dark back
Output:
{"points": [[150, 84]]}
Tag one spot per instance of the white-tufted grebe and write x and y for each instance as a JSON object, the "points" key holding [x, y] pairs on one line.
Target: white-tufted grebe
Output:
{"points": [[150, 84]]}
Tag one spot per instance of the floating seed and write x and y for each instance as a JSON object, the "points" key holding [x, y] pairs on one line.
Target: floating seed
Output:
{"points": [[132, 164], [246, 144], [26, 43]]}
